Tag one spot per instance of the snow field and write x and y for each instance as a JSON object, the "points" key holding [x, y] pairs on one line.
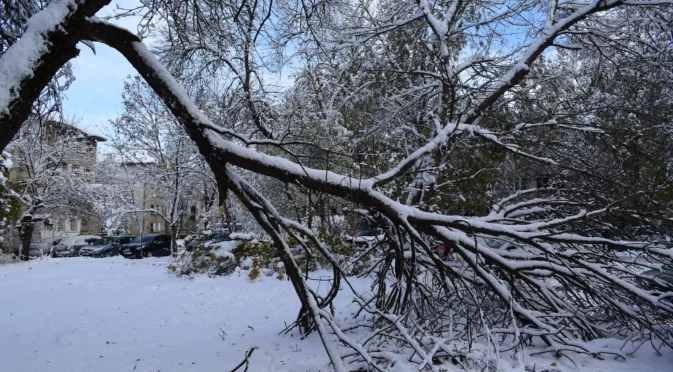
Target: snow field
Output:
{"points": [[114, 314], [79, 314]]}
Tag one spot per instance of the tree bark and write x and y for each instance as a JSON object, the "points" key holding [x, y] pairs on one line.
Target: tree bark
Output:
{"points": [[25, 250], [174, 240]]}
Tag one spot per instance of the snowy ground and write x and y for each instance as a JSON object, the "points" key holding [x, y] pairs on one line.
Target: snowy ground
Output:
{"points": [[79, 314]]}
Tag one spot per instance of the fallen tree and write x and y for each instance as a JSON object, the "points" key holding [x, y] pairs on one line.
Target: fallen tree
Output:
{"points": [[563, 284]]}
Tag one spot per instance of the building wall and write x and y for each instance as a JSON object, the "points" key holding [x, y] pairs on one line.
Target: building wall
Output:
{"points": [[150, 222]]}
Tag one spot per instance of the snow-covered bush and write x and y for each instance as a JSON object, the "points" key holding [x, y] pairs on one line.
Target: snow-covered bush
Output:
{"points": [[224, 257], [7, 258], [203, 261]]}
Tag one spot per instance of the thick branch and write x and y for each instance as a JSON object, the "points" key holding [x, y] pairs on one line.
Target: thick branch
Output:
{"points": [[29, 64]]}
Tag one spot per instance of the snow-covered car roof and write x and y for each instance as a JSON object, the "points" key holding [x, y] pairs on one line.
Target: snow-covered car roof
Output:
{"points": [[79, 239]]}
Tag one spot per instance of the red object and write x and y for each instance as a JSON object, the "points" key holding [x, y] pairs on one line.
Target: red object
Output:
{"points": [[442, 250]]}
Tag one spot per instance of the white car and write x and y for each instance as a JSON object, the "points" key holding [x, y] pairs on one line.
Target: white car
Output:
{"points": [[70, 246], [368, 237], [41, 248]]}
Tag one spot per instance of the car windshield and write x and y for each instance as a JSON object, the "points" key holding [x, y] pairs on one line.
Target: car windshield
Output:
{"points": [[367, 233], [221, 237], [104, 241], [143, 239], [667, 269], [495, 243]]}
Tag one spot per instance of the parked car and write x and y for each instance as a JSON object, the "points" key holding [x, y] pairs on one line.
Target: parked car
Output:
{"points": [[106, 247], [196, 241], [70, 246], [42, 247], [367, 237], [214, 239], [147, 246], [499, 243], [660, 277], [206, 240]]}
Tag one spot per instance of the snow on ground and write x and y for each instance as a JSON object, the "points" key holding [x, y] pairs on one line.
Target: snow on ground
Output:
{"points": [[80, 314]]}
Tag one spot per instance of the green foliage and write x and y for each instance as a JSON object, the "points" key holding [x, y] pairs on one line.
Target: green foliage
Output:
{"points": [[201, 261], [254, 271]]}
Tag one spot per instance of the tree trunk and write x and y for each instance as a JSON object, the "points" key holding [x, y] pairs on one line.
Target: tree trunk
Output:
{"points": [[25, 249], [174, 240]]}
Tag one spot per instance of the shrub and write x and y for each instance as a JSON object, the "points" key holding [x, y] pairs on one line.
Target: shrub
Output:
{"points": [[259, 257], [201, 261], [217, 262]]}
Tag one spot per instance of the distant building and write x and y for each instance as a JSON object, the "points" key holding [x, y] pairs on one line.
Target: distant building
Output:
{"points": [[148, 219]]}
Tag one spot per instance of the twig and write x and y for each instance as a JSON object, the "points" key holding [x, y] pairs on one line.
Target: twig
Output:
{"points": [[245, 361]]}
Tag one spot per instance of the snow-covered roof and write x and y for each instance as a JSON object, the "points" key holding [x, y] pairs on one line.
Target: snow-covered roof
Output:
{"points": [[89, 133], [86, 132]]}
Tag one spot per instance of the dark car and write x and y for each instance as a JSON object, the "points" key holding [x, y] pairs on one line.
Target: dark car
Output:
{"points": [[206, 240], [106, 247], [147, 246], [658, 278], [215, 238], [196, 241]]}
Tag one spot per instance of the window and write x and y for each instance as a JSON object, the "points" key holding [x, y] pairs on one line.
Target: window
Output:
{"points": [[192, 213], [75, 168], [516, 184], [155, 227], [542, 181], [145, 239]]}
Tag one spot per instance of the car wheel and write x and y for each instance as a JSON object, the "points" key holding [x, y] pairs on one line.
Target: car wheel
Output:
{"points": [[149, 254], [107, 254]]}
